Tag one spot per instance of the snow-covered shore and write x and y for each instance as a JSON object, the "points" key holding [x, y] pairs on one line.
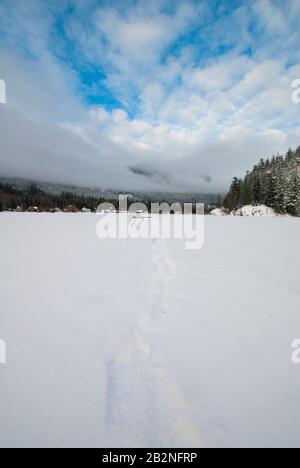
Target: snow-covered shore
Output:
{"points": [[248, 210], [260, 210], [142, 343]]}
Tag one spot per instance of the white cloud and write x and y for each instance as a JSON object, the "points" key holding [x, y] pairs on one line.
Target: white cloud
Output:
{"points": [[272, 17], [138, 36], [194, 124]]}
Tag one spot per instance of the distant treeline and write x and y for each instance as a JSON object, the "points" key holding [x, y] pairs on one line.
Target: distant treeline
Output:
{"points": [[11, 198], [273, 182]]}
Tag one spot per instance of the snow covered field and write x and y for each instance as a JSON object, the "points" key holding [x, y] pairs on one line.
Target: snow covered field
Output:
{"points": [[142, 343]]}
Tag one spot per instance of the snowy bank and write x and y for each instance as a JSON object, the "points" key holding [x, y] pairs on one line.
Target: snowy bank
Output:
{"points": [[219, 212], [260, 210]]}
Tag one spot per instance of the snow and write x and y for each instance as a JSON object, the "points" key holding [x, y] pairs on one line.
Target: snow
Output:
{"points": [[247, 210], [122, 343], [219, 212], [260, 210]]}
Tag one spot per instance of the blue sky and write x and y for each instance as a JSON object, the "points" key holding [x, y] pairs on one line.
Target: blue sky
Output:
{"points": [[190, 93]]}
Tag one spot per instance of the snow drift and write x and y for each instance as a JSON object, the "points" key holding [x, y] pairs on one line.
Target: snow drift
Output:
{"points": [[249, 210], [219, 212]]}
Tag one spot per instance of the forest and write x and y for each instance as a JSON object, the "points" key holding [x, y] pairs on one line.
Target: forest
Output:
{"points": [[11, 198], [273, 182]]}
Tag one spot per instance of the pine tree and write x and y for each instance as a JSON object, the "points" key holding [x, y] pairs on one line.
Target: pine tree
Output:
{"points": [[293, 196], [246, 192], [256, 190], [275, 183]]}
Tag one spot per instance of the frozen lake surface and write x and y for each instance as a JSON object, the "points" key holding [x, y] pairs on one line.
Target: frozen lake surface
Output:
{"points": [[123, 343]]}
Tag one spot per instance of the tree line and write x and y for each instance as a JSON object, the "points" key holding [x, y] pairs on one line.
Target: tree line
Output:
{"points": [[32, 196], [273, 182], [11, 198]]}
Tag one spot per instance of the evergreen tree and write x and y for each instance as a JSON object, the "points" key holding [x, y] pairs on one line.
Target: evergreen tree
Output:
{"points": [[256, 190], [293, 196], [275, 183], [246, 192]]}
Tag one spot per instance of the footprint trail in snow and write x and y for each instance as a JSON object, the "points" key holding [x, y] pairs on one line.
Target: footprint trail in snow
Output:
{"points": [[145, 404]]}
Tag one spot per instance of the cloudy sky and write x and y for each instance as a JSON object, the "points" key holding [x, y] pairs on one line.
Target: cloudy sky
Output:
{"points": [[138, 94]]}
